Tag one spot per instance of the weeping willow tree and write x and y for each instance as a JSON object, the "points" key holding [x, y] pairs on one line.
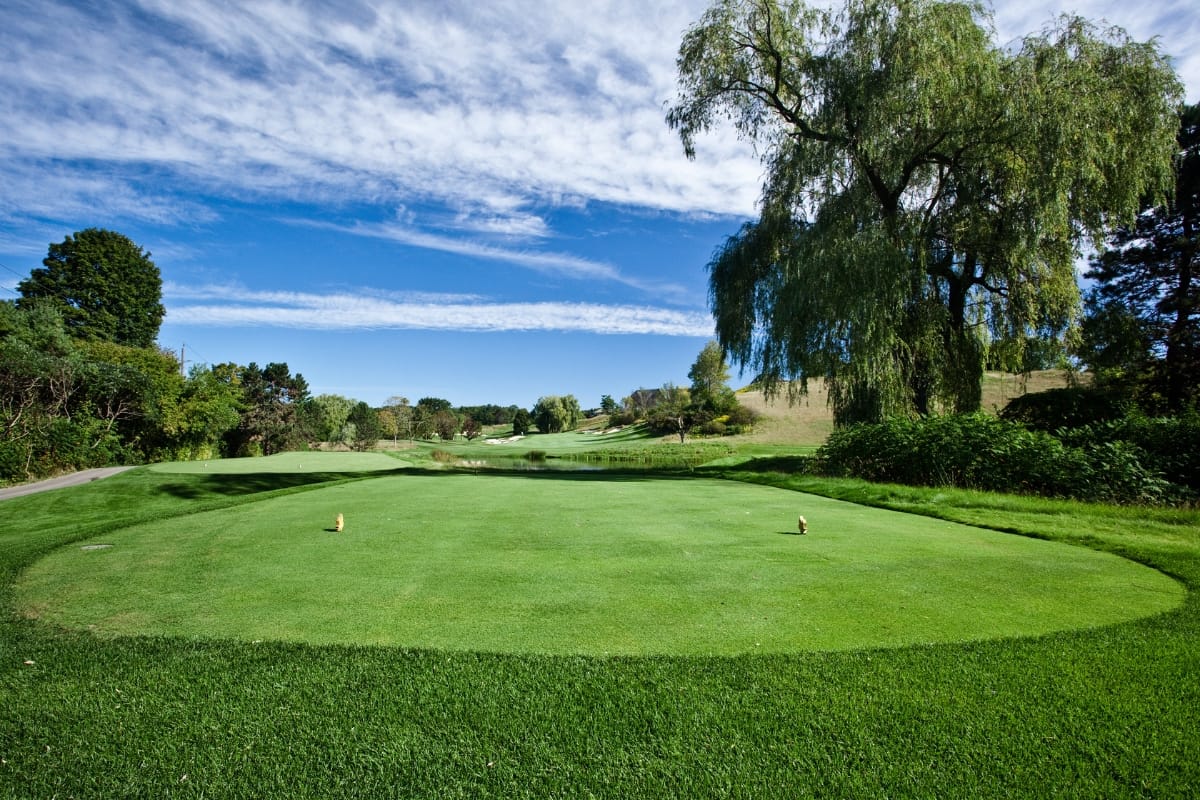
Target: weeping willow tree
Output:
{"points": [[927, 191]]}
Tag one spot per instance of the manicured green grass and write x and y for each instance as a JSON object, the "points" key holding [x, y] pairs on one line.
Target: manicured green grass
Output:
{"points": [[283, 463], [632, 444], [580, 564], [561, 444], [1108, 712]]}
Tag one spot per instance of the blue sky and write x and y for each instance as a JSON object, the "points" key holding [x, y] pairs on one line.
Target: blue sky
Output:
{"points": [[475, 201]]}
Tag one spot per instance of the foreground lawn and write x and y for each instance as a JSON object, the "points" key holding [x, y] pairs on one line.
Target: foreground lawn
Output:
{"points": [[572, 563], [1107, 712]]}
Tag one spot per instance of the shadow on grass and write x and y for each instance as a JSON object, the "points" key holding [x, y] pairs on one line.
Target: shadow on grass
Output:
{"points": [[590, 473], [202, 487], [199, 487], [801, 465]]}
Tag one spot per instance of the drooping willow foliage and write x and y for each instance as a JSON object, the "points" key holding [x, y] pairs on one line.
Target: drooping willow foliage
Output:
{"points": [[927, 190]]}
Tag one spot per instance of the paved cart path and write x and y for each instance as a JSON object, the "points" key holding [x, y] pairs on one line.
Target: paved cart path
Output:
{"points": [[62, 481]]}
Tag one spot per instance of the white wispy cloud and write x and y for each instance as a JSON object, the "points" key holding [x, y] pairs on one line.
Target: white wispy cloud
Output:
{"points": [[492, 111], [551, 263], [499, 106], [557, 263], [235, 306], [39, 191]]}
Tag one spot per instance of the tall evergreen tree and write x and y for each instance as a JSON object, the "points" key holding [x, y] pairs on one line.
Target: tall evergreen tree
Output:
{"points": [[1146, 303], [271, 396]]}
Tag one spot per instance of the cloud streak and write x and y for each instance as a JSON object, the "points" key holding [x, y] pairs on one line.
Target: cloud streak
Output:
{"points": [[233, 307], [487, 109], [550, 263], [554, 263], [486, 116]]}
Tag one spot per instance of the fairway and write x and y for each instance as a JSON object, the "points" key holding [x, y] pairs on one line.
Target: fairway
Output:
{"points": [[285, 463], [565, 563]]}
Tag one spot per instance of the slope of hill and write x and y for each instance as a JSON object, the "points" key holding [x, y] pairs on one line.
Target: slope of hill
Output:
{"points": [[809, 420]]}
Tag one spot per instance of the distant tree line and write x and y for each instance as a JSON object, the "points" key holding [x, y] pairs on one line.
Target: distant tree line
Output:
{"points": [[341, 420], [707, 407], [69, 403], [83, 384]]}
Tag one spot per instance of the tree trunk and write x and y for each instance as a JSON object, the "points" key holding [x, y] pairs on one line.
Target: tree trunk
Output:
{"points": [[964, 365]]}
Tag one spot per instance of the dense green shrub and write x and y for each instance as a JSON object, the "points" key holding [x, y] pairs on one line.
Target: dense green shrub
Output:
{"points": [[1069, 407], [1171, 445], [619, 419], [977, 451], [740, 419], [63, 445]]}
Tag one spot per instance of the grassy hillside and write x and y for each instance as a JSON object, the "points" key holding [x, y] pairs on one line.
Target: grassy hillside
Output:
{"points": [[809, 420]]}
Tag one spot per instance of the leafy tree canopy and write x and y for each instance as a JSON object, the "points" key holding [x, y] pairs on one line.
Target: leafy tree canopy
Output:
{"points": [[554, 413], [105, 286], [367, 430], [471, 429], [68, 403], [209, 408], [327, 416], [710, 376], [445, 424], [135, 387], [926, 188], [431, 405], [675, 412]]}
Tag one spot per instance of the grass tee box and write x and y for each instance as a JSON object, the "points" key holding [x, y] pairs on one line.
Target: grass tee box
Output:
{"points": [[566, 563]]}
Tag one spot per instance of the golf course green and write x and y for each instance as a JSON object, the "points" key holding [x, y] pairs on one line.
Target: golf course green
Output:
{"points": [[574, 563]]}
